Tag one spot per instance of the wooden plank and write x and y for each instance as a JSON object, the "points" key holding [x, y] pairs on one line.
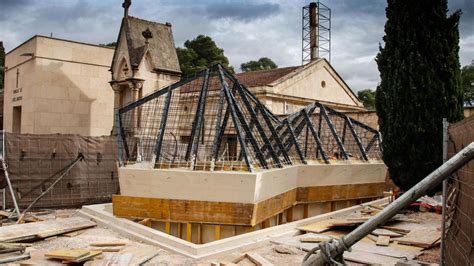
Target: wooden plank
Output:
{"points": [[257, 259], [383, 240], [107, 244], [44, 229], [314, 239], [424, 238], [340, 192], [179, 210], [368, 258], [386, 232], [273, 206], [92, 254], [67, 254]]}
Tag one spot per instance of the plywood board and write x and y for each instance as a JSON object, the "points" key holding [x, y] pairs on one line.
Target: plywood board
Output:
{"points": [[44, 229], [424, 238], [383, 240], [67, 254], [369, 258], [340, 192], [180, 210]]}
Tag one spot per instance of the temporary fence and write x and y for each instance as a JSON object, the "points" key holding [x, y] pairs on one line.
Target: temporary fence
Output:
{"points": [[458, 238], [33, 162]]}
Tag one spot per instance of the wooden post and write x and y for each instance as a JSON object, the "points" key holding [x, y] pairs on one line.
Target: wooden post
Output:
{"points": [[217, 232], [167, 227], [306, 210], [179, 230], [189, 235], [289, 215], [199, 234], [280, 218]]}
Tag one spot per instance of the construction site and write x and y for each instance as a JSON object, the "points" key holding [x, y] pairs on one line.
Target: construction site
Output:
{"points": [[271, 167]]}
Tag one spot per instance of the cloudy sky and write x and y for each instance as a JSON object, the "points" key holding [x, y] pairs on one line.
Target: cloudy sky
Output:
{"points": [[245, 29]]}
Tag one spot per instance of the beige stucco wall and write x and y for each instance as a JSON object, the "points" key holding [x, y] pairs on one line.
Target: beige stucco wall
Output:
{"points": [[64, 87], [243, 187]]}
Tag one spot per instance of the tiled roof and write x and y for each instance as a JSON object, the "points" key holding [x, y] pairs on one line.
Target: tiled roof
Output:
{"points": [[263, 77]]}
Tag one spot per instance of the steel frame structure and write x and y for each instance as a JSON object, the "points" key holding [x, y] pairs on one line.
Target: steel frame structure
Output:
{"points": [[226, 127]]}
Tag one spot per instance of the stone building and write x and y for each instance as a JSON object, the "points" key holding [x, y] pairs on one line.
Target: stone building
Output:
{"points": [[285, 90], [145, 59], [58, 86]]}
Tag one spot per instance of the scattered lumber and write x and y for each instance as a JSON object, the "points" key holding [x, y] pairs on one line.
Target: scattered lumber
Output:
{"points": [[383, 240], [425, 238], [74, 233], [44, 229]]}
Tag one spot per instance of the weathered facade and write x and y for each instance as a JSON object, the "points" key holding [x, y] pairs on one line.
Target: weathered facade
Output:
{"points": [[145, 59], [58, 86], [286, 90]]}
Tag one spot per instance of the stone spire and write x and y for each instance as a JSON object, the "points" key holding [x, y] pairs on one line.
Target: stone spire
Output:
{"points": [[126, 4]]}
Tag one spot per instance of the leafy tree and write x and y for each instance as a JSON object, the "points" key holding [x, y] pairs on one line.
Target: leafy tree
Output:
{"points": [[467, 77], [261, 64], [110, 44], [2, 64], [199, 53], [367, 97], [420, 85]]}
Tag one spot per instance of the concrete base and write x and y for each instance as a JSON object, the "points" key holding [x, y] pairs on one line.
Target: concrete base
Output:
{"points": [[102, 214]]}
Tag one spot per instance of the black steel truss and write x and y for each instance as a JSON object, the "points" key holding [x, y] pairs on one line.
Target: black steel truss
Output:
{"points": [[209, 121]]}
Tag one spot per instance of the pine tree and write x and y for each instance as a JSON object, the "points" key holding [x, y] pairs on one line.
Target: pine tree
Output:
{"points": [[420, 85]]}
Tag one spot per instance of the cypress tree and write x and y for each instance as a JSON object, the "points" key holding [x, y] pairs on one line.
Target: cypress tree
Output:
{"points": [[420, 85], [2, 64]]}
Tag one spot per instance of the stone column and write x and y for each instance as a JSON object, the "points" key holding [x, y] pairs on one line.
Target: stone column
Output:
{"points": [[117, 92], [135, 86]]}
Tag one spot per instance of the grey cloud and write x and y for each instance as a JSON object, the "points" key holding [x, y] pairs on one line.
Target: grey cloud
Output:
{"points": [[245, 11]]}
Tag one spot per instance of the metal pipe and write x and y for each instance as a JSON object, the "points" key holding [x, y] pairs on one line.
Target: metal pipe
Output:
{"points": [[336, 248]]}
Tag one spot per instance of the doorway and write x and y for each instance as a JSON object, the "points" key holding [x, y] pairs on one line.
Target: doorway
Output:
{"points": [[16, 126]]}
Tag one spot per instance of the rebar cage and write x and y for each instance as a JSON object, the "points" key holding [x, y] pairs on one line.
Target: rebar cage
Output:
{"points": [[209, 121]]}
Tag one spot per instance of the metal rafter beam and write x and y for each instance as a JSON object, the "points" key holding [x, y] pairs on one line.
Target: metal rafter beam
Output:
{"points": [[258, 125], [333, 130], [319, 146], [235, 118], [357, 139], [164, 118], [198, 118]]}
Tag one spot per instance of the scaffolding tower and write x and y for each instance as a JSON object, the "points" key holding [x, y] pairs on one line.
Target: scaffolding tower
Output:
{"points": [[316, 33]]}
